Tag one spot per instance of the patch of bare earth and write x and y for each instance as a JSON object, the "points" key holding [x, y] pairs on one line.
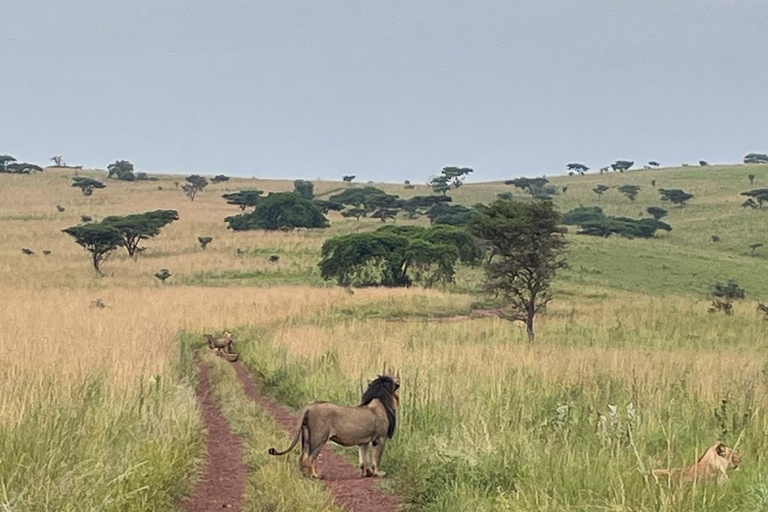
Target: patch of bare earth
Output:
{"points": [[343, 480], [222, 485]]}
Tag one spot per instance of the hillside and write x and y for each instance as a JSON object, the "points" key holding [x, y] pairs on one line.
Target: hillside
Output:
{"points": [[99, 409]]}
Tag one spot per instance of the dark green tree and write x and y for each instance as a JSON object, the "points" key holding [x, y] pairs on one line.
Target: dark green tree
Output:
{"points": [[122, 170], [417, 206], [582, 214], [353, 212], [600, 189], [577, 167], [204, 241], [244, 199], [440, 184], [397, 256], [507, 196], [328, 206], [22, 168], [304, 188], [348, 178], [140, 226], [676, 196], [407, 185], [4, 161], [365, 197], [450, 214], [657, 212], [703, 163], [87, 185], [527, 247], [163, 274], [622, 226], [529, 184], [654, 163], [193, 185], [219, 178], [753, 158], [98, 239], [759, 194], [630, 191], [281, 210], [622, 165], [455, 175]]}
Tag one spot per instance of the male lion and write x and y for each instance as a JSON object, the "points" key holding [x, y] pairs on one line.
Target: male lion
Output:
{"points": [[712, 465], [368, 426]]}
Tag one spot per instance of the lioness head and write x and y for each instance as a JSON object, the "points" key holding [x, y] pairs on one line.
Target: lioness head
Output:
{"points": [[730, 459]]}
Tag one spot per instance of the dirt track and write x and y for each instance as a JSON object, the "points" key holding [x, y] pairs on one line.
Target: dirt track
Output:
{"points": [[222, 485]]}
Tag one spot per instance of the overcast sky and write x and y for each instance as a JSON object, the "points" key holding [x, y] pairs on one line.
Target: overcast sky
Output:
{"points": [[387, 90]]}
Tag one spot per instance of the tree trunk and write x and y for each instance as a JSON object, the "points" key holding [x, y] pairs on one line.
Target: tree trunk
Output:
{"points": [[529, 326]]}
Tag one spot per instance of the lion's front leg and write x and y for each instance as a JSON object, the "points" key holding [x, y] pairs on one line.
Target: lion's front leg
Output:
{"points": [[365, 460]]}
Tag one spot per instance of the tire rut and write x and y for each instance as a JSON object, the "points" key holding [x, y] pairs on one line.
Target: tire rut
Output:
{"points": [[222, 485]]}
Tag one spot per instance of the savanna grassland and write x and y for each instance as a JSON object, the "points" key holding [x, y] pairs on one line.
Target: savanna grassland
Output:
{"points": [[629, 371]]}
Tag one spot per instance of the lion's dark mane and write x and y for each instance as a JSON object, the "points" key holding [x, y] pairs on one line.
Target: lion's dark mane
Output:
{"points": [[383, 388]]}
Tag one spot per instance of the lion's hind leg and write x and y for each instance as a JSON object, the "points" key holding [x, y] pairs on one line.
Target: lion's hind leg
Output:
{"points": [[365, 460], [316, 441]]}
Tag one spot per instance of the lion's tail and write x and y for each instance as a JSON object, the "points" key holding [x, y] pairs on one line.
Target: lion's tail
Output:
{"points": [[299, 427]]}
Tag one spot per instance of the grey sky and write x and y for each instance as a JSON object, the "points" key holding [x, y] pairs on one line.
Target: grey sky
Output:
{"points": [[385, 90]]}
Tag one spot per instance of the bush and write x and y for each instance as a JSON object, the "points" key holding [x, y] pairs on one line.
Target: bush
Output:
{"points": [[582, 214], [756, 158]]}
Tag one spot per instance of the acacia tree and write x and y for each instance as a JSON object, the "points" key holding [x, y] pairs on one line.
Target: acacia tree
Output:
{"points": [[723, 296], [193, 185], [58, 161], [365, 198], [759, 194], [98, 239], [600, 189], [578, 167], [657, 212], [204, 241], [630, 191], [527, 245], [219, 178], [675, 195], [122, 170], [622, 165], [756, 158], [353, 212], [244, 199], [654, 163], [4, 161], [140, 226], [22, 168], [397, 256], [529, 184], [87, 185], [348, 178]]}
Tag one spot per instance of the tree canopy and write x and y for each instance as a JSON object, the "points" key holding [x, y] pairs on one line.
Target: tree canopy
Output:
{"points": [[304, 188], [759, 194], [98, 239], [122, 170], [529, 184], [593, 221], [756, 158], [657, 212], [450, 214], [86, 185], [193, 185], [630, 191], [5, 160], [397, 256], [140, 226], [328, 206], [622, 165], [21, 168], [675, 195], [417, 206], [280, 210], [244, 199], [219, 178], [348, 178], [578, 167], [527, 247]]}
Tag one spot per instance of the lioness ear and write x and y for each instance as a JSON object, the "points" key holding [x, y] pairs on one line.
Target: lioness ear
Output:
{"points": [[720, 448]]}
